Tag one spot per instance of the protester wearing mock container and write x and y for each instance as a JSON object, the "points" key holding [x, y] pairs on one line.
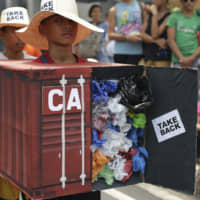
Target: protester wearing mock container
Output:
{"points": [[56, 29]]}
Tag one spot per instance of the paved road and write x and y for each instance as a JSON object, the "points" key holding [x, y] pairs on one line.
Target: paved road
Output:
{"points": [[144, 191]]}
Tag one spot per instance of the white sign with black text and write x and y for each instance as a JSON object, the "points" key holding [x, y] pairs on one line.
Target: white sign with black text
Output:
{"points": [[168, 126], [47, 5]]}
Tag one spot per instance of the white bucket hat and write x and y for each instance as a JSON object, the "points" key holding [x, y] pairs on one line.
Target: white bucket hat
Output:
{"points": [[65, 8], [14, 16]]}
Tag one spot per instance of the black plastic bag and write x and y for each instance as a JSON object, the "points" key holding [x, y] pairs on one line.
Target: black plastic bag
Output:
{"points": [[135, 92]]}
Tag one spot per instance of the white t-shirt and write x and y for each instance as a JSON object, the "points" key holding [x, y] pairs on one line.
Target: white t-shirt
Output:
{"points": [[26, 56]]}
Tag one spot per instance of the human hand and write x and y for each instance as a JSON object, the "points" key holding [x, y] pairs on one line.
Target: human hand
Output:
{"points": [[134, 37], [186, 61], [147, 7], [198, 126], [154, 9], [162, 43]]}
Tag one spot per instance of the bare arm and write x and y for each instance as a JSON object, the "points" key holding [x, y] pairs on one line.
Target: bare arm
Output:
{"points": [[145, 37], [145, 17], [198, 123], [187, 61], [196, 54], [111, 27], [148, 38], [171, 33], [157, 30]]}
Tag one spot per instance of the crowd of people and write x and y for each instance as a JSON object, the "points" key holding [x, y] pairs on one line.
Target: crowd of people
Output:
{"points": [[134, 33], [148, 34], [138, 33]]}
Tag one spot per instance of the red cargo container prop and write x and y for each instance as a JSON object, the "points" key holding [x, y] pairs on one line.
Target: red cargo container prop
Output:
{"points": [[39, 102]]}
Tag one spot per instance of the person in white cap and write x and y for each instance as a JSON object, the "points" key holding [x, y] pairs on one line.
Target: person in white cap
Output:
{"points": [[56, 28], [12, 19]]}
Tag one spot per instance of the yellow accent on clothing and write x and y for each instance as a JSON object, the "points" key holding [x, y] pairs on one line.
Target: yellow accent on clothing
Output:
{"points": [[155, 63]]}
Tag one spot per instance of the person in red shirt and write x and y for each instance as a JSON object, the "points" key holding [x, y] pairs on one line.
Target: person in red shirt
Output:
{"points": [[56, 28]]}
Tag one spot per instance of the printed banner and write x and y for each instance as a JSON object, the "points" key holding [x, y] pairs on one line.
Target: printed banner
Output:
{"points": [[15, 15]]}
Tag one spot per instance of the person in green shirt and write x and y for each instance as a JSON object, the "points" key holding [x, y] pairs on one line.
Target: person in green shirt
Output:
{"points": [[182, 31]]}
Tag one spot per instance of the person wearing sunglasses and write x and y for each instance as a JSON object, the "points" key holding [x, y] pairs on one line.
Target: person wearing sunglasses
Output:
{"points": [[182, 31]]}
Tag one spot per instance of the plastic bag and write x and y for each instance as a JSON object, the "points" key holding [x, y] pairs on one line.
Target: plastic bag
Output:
{"points": [[115, 141], [107, 174], [118, 111], [100, 117], [109, 86], [95, 139], [98, 95], [128, 169], [132, 135], [135, 92], [139, 120], [100, 91], [118, 165], [139, 162], [111, 126], [136, 135], [98, 162]]}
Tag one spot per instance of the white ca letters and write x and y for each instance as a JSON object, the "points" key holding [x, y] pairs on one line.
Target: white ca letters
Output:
{"points": [[51, 95], [74, 100]]}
